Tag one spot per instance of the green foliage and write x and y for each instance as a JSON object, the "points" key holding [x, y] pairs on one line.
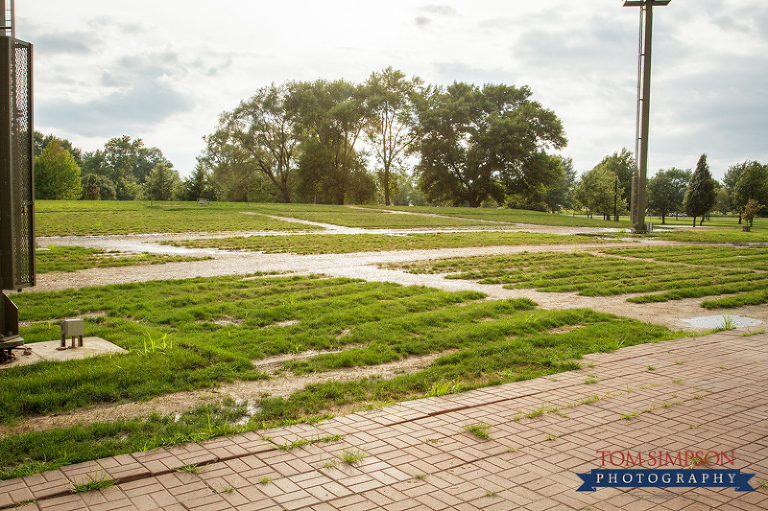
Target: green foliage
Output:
{"points": [[752, 185], [600, 191], [162, 183], [331, 116], [391, 130], [259, 136], [479, 143], [199, 185], [666, 191], [57, 176], [560, 196], [700, 195], [621, 164]]}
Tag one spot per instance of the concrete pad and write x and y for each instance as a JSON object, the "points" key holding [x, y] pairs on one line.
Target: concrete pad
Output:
{"points": [[31, 353], [716, 321]]}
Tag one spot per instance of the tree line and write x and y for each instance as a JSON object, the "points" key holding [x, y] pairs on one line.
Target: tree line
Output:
{"points": [[390, 140]]}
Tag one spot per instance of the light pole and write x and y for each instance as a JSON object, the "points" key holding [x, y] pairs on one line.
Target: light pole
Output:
{"points": [[643, 109]]}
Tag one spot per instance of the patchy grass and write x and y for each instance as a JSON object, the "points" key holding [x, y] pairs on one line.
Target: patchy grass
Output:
{"points": [[507, 215], [750, 258], [69, 259], [89, 218], [709, 235], [656, 280], [347, 243], [175, 344], [354, 216]]}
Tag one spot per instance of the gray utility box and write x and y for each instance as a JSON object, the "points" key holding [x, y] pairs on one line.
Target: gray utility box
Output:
{"points": [[74, 328]]}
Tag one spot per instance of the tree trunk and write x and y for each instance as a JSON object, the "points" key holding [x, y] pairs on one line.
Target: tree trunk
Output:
{"points": [[694, 222], [662, 219]]}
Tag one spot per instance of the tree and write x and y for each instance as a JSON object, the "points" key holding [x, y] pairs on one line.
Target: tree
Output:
{"points": [[599, 191], [752, 184], [331, 117], [750, 209], [263, 128], [391, 130], [233, 169], [125, 164], [666, 191], [57, 176], [622, 164], [700, 195], [91, 189], [162, 182], [480, 143], [200, 185], [559, 196]]}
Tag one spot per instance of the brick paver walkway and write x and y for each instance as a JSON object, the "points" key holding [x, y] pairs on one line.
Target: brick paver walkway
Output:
{"points": [[697, 394]]}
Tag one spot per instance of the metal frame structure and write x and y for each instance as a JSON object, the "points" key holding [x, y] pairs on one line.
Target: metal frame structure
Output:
{"points": [[638, 200], [17, 238]]}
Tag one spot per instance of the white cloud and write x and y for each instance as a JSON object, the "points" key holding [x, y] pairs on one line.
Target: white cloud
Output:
{"points": [[163, 71]]}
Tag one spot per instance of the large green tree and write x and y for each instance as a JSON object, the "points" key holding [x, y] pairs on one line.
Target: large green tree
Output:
{"points": [[666, 191], [331, 118], [124, 165], [233, 168], [752, 184], [599, 191], [199, 185], [263, 129], [700, 195], [57, 176], [560, 195], [622, 164], [484, 142], [391, 129], [162, 183]]}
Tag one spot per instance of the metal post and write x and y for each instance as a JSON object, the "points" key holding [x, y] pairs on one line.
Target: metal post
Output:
{"points": [[17, 266], [644, 113]]}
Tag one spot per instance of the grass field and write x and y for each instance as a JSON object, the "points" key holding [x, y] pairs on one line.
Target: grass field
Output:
{"points": [[347, 243], [89, 218], [191, 334], [69, 259], [672, 274], [506, 215], [202, 333]]}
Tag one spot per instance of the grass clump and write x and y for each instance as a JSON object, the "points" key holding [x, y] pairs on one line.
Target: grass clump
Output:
{"points": [[93, 483], [480, 430], [352, 456]]}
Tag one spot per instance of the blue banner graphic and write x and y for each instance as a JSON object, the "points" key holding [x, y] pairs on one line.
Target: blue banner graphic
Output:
{"points": [[656, 478]]}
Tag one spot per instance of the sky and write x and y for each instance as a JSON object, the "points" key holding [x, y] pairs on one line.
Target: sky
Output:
{"points": [[163, 70]]}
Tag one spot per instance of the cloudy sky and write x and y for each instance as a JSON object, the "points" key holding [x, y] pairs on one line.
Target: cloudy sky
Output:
{"points": [[163, 70]]}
